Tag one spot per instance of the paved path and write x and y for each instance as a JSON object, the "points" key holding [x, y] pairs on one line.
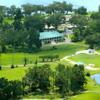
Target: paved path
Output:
{"points": [[67, 59], [77, 53]]}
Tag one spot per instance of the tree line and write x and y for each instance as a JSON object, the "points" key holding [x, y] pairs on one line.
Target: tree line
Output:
{"points": [[65, 80], [87, 28], [20, 27]]}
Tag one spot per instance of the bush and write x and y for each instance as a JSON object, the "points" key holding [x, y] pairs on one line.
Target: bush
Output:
{"points": [[10, 90], [88, 74], [12, 66], [0, 68], [25, 61]]}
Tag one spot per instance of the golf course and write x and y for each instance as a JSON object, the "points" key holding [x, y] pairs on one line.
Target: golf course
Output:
{"points": [[62, 50]]}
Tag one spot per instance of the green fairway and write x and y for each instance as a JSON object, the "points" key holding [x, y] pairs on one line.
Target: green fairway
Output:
{"points": [[87, 96], [92, 93], [13, 74], [87, 59], [18, 73], [61, 50]]}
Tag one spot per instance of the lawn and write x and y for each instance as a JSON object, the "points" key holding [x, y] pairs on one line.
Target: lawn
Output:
{"points": [[13, 74], [86, 96], [61, 50], [87, 59], [93, 92], [19, 72]]}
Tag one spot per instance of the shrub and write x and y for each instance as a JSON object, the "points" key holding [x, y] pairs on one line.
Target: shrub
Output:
{"points": [[10, 90], [88, 74], [0, 68], [12, 66]]}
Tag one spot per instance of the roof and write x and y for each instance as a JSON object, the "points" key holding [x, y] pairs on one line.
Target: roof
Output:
{"points": [[50, 34]]}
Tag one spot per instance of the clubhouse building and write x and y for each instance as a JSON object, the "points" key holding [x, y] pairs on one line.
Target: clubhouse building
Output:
{"points": [[51, 37]]}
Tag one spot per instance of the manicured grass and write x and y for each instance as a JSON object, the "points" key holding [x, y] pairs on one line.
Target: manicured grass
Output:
{"points": [[13, 74], [87, 59], [55, 96], [61, 50], [19, 72], [92, 72], [86, 96], [92, 93]]}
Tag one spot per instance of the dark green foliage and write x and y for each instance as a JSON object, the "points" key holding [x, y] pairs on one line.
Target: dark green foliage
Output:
{"points": [[70, 79], [78, 78], [0, 67], [12, 66], [38, 78], [36, 21], [32, 40], [11, 11], [95, 15], [82, 10], [10, 90], [88, 74], [49, 58], [42, 79], [93, 40], [30, 8], [59, 7], [55, 19], [25, 61], [80, 22], [62, 79], [17, 19]]}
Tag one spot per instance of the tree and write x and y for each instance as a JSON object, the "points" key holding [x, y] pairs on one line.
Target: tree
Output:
{"points": [[69, 8], [59, 7], [16, 89], [82, 10], [55, 20], [93, 40], [36, 21], [62, 79], [12, 11], [99, 9], [76, 36], [32, 40], [27, 8], [10, 89], [38, 78], [25, 61], [18, 19], [1, 21], [78, 78], [3, 88], [2, 15], [2, 10], [95, 15], [80, 22]]}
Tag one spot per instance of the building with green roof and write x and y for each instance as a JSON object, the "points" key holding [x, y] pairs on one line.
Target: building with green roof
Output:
{"points": [[51, 36]]}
